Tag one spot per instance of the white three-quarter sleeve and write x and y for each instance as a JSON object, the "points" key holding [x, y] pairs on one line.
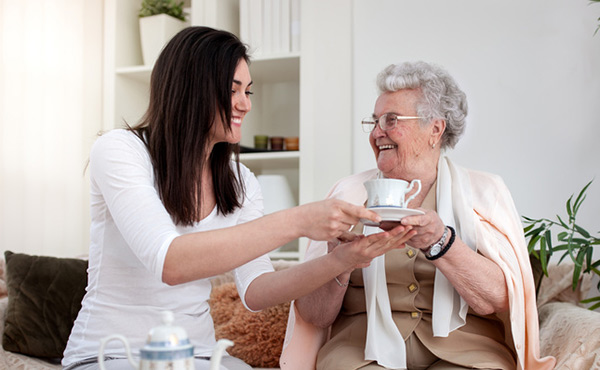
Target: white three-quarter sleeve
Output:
{"points": [[121, 168], [252, 209]]}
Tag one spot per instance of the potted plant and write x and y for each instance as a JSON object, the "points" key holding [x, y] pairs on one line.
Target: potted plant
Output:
{"points": [[159, 21], [571, 240]]}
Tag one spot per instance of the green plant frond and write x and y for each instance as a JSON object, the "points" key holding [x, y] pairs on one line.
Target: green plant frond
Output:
{"points": [[589, 252], [562, 222], [169, 7], [569, 209], [572, 239], [581, 196], [532, 243], [582, 231], [526, 229], [543, 255], [561, 247], [579, 241], [577, 268], [563, 257], [535, 232], [590, 300]]}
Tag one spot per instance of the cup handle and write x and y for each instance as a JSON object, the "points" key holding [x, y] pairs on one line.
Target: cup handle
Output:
{"points": [[103, 343], [412, 183]]}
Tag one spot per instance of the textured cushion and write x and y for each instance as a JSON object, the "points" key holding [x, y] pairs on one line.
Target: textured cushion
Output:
{"points": [[257, 336], [44, 297]]}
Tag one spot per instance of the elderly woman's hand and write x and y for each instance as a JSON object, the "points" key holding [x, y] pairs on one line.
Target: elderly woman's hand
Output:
{"points": [[429, 229]]}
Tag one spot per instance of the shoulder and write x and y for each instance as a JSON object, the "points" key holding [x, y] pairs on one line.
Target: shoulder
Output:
{"points": [[246, 176], [490, 195], [118, 147], [118, 139]]}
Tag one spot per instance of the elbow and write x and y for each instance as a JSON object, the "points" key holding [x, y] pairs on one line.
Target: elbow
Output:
{"points": [[319, 319], [488, 307], [172, 276]]}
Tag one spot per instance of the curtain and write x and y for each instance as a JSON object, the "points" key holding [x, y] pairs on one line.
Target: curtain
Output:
{"points": [[50, 110]]}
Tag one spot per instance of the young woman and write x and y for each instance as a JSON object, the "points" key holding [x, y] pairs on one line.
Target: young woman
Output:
{"points": [[170, 209]]}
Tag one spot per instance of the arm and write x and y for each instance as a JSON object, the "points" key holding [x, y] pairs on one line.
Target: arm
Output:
{"points": [[122, 176], [478, 280], [199, 255]]}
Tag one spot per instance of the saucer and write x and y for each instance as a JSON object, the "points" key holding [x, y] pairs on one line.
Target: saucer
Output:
{"points": [[391, 213]]}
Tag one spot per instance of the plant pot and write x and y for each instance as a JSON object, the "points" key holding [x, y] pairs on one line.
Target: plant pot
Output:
{"points": [[155, 32]]}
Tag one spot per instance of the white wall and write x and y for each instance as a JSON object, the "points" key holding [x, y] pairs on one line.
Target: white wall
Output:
{"points": [[531, 72], [50, 111]]}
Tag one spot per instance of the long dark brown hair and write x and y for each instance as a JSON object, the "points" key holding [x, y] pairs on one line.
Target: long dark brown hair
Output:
{"points": [[190, 88]]}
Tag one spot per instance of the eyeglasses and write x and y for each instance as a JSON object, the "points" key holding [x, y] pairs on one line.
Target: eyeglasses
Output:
{"points": [[386, 122]]}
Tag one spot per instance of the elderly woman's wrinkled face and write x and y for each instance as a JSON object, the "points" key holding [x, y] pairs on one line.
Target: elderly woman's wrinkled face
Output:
{"points": [[402, 151]]}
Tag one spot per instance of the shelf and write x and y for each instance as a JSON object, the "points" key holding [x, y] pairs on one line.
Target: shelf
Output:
{"points": [[247, 157], [139, 73], [274, 68]]}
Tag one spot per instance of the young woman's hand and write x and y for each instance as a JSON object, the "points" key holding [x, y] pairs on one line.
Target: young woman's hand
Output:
{"points": [[360, 250], [331, 218]]}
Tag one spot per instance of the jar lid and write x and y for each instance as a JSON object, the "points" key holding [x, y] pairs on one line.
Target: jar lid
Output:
{"points": [[167, 336]]}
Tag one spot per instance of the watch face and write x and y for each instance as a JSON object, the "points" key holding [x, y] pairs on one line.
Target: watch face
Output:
{"points": [[435, 250]]}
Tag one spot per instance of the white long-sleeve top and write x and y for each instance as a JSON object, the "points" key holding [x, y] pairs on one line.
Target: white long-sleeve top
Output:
{"points": [[130, 234]]}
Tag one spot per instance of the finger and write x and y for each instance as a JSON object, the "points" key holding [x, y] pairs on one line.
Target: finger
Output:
{"points": [[358, 212], [415, 220], [347, 236]]}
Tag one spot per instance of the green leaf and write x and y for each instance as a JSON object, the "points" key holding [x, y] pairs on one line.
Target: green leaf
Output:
{"points": [[582, 231], [581, 197], [543, 258], [562, 222], [569, 209], [577, 268], [532, 243], [533, 233]]}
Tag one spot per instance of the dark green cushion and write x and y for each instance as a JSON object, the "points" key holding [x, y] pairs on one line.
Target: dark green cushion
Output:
{"points": [[44, 297]]}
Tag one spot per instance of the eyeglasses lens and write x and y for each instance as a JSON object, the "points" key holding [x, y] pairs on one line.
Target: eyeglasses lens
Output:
{"points": [[368, 124], [387, 121]]}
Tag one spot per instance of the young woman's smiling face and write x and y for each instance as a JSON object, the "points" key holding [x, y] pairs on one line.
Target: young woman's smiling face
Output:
{"points": [[240, 106], [398, 151]]}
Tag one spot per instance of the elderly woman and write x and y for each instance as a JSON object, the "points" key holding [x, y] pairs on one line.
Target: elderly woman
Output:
{"points": [[460, 293]]}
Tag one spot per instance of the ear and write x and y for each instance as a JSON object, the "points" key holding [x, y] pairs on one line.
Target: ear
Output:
{"points": [[438, 126]]}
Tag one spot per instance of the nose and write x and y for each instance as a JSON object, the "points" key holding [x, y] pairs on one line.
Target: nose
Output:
{"points": [[242, 102], [378, 132]]}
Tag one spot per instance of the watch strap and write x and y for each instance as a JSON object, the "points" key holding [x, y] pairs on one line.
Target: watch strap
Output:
{"points": [[445, 249]]}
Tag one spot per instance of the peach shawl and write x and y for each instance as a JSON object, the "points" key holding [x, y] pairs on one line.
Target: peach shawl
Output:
{"points": [[481, 200]]}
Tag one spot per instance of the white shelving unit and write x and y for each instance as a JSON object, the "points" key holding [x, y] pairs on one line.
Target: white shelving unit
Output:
{"points": [[275, 103]]}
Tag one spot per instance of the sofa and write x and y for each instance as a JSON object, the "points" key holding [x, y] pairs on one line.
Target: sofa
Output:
{"points": [[40, 295]]}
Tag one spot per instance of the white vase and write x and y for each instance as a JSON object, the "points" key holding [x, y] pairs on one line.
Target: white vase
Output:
{"points": [[155, 32]]}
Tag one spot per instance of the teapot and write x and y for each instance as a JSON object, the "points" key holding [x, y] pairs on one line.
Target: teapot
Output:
{"points": [[168, 347]]}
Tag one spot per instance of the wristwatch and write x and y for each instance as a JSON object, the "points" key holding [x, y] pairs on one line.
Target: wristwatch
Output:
{"points": [[435, 249]]}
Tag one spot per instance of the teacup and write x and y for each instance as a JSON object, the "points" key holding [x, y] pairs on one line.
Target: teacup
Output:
{"points": [[390, 192]]}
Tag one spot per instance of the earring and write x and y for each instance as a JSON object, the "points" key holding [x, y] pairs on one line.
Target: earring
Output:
{"points": [[433, 146]]}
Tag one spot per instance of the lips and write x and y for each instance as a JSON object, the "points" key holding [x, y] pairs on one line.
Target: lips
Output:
{"points": [[236, 121]]}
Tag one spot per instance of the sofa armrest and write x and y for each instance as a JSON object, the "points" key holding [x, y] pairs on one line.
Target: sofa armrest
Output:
{"points": [[571, 334]]}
